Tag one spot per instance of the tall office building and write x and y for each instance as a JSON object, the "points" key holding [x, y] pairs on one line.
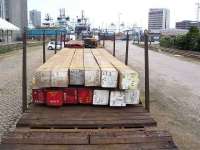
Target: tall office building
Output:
{"points": [[16, 12], [35, 18], [159, 19], [2, 9]]}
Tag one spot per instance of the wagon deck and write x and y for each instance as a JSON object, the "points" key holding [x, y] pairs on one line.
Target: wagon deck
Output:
{"points": [[87, 128]]}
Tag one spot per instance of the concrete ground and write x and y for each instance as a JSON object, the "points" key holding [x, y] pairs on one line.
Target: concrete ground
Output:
{"points": [[11, 82], [174, 92], [174, 83]]}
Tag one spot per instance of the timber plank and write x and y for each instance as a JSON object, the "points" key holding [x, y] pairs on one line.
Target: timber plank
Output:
{"points": [[148, 146], [128, 78], [109, 75], [52, 123], [87, 116], [73, 108], [92, 70], [46, 138], [77, 71], [59, 73], [130, 137]]}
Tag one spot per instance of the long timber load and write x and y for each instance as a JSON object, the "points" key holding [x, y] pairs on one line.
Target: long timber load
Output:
{"points": [[81, 62], [85, 76]]}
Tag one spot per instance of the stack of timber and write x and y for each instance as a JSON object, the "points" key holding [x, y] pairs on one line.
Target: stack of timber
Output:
{"points": [[94, 76]]}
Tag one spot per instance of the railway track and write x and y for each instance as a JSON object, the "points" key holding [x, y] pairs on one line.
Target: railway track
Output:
{"points": [[190, 54], [185, 53]]}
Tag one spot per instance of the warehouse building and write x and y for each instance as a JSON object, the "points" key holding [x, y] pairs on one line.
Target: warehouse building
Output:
{"points": [[187, 24], [16, 13]]}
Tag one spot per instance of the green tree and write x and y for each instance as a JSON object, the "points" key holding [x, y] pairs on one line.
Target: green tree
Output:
{"points": [[180, 42], [192, 39]]}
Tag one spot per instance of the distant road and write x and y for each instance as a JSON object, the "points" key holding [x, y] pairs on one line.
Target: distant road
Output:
{"points": [[175, 92]]}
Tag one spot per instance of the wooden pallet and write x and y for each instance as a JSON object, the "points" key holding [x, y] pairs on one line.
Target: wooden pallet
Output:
{"points": [[87, 128]]}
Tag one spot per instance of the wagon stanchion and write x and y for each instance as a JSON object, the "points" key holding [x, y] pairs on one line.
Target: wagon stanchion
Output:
{"points": [[64, 38], [56, 38], [99, 40], [104, 40], [44, 53], [127, 47], [61, 38], [147, 98], [114, 44], [24, 72]]}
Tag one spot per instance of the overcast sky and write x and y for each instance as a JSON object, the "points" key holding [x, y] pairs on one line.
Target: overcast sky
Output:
{"points": [[103, 12]]}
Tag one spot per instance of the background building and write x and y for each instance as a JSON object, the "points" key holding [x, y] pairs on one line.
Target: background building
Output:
{"points": [[16, 12], [35, 18], [2, 9], [159, 19], [187, 24]]}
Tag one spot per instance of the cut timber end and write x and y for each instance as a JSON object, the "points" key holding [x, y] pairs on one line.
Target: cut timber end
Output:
{"points": [[59, 78], [92, 77], [101, 97], [109, 78], [117, 99], [128, 79], [132, 97], [42, 78]]}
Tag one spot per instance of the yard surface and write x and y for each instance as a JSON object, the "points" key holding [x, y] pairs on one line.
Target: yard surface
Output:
{"points": [[174, 92], [11, 83], [174, 85]]}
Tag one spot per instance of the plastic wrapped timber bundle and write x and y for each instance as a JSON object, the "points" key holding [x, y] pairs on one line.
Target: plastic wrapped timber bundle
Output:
{"points": [[77, 70], [101, 97], [92, 70], [109, 75], [128, 78], [117, 99]]}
